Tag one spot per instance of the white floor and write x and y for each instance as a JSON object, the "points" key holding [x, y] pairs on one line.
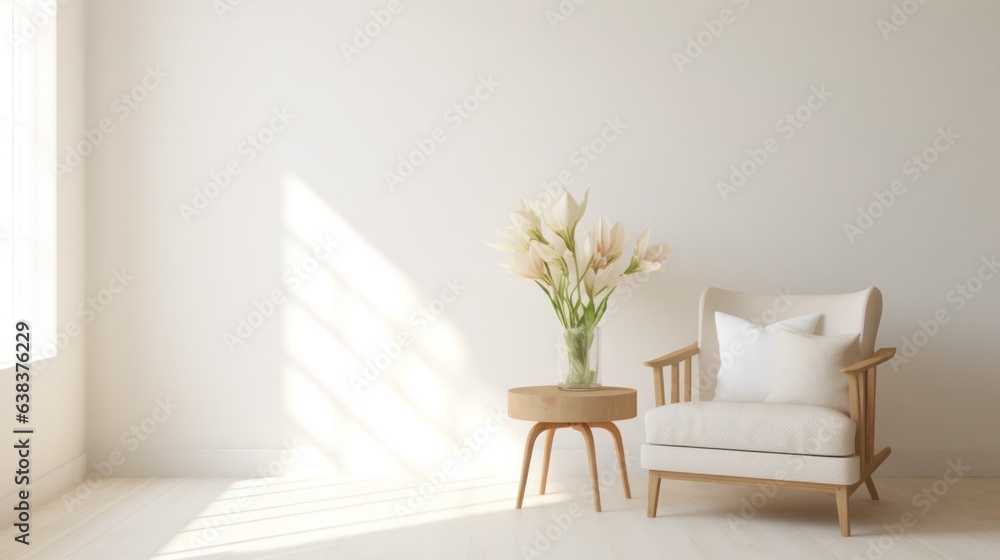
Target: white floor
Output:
{"points": [[340, 518]]}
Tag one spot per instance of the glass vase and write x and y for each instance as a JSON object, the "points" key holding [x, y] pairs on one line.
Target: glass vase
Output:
{"points": [[579, 359]]}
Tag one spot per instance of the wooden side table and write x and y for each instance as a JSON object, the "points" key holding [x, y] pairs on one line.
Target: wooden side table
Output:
{"points": [[553, 408]]}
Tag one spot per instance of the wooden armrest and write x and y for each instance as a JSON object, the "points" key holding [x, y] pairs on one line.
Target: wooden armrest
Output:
{"points": [[883, 355], [674, 357], [673, 360], [861, 395]]}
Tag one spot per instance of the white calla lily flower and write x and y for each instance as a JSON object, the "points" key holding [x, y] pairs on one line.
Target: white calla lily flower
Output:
{"points": [[552, 252], [641, 242], [583, 256], [516, 242], [608, 278], [528, 265], [562, 215], [657, 253], [609, 240], [578, 272], [639, 254], [527, 221]]}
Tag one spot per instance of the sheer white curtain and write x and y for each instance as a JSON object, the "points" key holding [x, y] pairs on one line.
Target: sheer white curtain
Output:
{"points": [[27, 173]]}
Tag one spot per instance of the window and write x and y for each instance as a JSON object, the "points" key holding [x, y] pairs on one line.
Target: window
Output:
{"points": [[27, 173]]}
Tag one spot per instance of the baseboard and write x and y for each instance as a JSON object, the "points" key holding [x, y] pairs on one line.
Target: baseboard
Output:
{"points": [[209, 463], [291, 461], [569, 462], [46, 486], [934, 462], [574, 462]]}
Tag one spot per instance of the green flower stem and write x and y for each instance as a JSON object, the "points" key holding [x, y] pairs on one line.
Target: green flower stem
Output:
{"points": [[578, 344]]}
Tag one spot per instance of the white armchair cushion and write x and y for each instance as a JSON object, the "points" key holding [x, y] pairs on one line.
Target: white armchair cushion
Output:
{"points": [[772, 428], [808, 369], [747, 355], [751, 464]]}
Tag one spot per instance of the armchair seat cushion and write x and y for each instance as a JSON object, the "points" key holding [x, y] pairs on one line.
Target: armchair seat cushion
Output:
{"points": [[747, 426], [751, 464]]}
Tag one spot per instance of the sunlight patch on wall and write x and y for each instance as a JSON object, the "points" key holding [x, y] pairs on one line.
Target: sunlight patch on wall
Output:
{"points": [[376, 377]]}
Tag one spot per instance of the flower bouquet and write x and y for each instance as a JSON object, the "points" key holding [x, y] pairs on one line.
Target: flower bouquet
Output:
{"points": [[577, 270]]}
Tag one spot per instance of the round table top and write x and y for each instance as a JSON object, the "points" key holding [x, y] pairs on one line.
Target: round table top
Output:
{"points": [[548, 403]]}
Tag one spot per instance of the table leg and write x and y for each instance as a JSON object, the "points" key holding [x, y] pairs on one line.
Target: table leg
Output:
{"points": [[620, 449], [528, 446], [549, 436], [588, 436]]}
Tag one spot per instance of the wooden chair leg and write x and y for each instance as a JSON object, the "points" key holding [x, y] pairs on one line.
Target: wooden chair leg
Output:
{"points": [[843, 510], [526, 462], [549, 436], [871, 488], [588, 436], [620, 450], [653, 497]]}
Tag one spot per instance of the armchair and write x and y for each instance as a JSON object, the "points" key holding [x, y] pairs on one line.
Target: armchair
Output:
{"points": [[796, 446]]}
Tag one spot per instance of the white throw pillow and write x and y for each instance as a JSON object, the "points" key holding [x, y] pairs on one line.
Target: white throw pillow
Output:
{"points": [[747, 353], [808, 369]]}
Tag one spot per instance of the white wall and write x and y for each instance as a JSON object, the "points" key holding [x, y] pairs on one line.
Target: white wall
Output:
{"points": [[58, 454], [163, 335]]}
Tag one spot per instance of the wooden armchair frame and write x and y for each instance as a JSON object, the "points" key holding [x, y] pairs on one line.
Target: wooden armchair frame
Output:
{"points": [[861, 386]]}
